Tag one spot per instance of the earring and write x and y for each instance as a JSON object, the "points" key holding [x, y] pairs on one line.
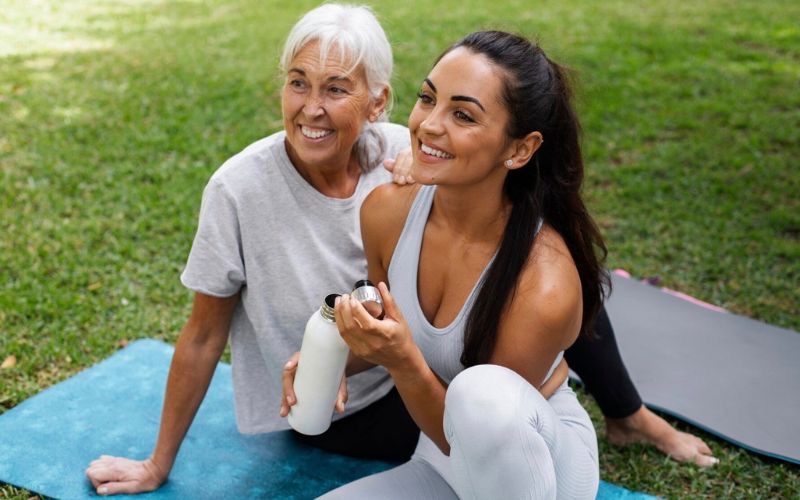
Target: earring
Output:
{"points": [[509, 163]]}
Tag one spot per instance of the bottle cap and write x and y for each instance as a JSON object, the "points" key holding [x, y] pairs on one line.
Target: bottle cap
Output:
{"points": [[369, 296]]}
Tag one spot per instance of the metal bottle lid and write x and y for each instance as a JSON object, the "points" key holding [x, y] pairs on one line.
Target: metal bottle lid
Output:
{"points": [[369, 296]]}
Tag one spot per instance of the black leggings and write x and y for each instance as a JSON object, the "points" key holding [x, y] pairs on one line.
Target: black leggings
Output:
{"points": [[384, 430], [597, 362]]}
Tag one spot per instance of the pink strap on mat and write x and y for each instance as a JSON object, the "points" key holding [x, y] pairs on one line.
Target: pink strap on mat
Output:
{"points": [[675, 293]]}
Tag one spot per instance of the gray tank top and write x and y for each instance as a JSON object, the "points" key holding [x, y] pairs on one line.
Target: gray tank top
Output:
{"points": [[441, 347]]}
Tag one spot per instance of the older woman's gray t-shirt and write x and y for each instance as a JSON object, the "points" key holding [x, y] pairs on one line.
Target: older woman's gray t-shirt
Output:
{"points": [[265, 231]]}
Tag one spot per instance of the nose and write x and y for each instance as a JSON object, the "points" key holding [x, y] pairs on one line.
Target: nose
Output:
{"points": [[314, 105], [432, 123]]}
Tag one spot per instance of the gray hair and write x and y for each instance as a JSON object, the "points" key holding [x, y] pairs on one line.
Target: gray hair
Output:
{"points": [[356, 33]]}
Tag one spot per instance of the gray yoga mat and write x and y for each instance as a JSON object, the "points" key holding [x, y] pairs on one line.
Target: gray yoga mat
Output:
{"points": [[729, 375]]}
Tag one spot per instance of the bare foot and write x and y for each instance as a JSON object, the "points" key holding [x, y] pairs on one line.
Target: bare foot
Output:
{"points": [[646, 427]]}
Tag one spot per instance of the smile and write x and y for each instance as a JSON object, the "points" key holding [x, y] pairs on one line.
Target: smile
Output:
{"points": [[314, 133], [435, 152]]}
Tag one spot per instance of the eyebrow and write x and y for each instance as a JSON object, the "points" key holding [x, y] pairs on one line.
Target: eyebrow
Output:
{"points": [[458, 97], [334, 78]]}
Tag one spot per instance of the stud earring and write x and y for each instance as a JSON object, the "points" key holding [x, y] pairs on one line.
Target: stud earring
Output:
{"points": [[509, 163]]}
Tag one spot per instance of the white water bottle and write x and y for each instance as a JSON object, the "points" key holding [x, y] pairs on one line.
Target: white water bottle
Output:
{"points": [[323, 356]]}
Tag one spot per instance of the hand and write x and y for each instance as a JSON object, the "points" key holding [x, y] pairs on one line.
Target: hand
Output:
{"points": [[387, 342], [289, 398], [551, 385], [400, 167], [114, 475]]}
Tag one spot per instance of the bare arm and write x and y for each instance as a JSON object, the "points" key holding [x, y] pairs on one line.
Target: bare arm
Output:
{"points": [[544, 316], [197, 353], [389, 342]]}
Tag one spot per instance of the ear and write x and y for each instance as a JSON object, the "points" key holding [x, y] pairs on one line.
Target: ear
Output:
{"points": [[521, 150], [378, 104]]}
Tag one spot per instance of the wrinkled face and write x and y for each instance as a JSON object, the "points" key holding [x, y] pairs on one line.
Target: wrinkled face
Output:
{"points": [[458, 125], [324, 108]]}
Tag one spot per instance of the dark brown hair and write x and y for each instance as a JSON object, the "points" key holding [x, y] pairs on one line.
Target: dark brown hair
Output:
{"points": [[538, 98]]}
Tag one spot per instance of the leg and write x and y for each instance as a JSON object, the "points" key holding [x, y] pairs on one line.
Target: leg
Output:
{"points": [[598, 362], [507, 441], [384, 430], [417, 478]]}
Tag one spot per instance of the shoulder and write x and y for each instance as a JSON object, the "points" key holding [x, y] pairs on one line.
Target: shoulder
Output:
{"points": [[383, 216], [549, 288], [240, 170], [389, 204], [396, 136]]}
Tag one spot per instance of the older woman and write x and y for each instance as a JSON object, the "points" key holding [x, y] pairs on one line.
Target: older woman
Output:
{"points": [[279, 229]]}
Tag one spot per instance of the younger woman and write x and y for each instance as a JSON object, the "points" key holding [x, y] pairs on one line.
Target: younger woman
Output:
{"points": [[492, 260]]}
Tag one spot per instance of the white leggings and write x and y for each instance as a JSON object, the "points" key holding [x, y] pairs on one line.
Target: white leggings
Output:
{"points": [[506, 441]]}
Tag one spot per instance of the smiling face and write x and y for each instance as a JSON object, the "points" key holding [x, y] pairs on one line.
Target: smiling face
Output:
{"points": [[458, 125], [324, 108]]}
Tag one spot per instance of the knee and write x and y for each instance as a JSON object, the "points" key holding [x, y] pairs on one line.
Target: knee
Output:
{"points": [[483, 397]]}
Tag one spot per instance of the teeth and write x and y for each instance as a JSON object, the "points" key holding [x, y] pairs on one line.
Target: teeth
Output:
{"points": [[314, 133], [435, 152]]}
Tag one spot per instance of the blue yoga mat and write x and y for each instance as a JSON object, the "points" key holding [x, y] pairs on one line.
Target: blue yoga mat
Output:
{"points": [[114, 408]]}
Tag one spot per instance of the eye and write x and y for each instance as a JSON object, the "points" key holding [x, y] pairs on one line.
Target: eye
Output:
{"points": [[297, 84], [462, 116], [337, 91], [424, 98]]}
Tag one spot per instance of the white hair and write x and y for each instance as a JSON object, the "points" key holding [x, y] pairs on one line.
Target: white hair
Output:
{"points": [[354, 31]]}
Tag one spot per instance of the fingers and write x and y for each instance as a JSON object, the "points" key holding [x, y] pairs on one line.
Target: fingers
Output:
{"points": [[115, 488], [341, 399], [110, 475], [289, 370], [390, 307], [398, 177], [351, 315], [104, 469], [400, 167]]}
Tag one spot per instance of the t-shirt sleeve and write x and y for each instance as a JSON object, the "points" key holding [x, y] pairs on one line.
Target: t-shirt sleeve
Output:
{"points": [[397, 139], [215, 266]]}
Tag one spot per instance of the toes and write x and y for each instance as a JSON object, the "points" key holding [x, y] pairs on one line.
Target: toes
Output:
{"points": [[705, 460]]}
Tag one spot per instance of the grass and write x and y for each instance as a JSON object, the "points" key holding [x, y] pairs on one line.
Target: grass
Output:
{"points": [[113, 114]]}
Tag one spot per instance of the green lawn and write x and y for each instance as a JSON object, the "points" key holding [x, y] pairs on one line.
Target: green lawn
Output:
{"points": [[113, 114]]}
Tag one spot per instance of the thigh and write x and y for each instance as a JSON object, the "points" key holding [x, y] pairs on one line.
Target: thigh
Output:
{"points": [[415, 479]]}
